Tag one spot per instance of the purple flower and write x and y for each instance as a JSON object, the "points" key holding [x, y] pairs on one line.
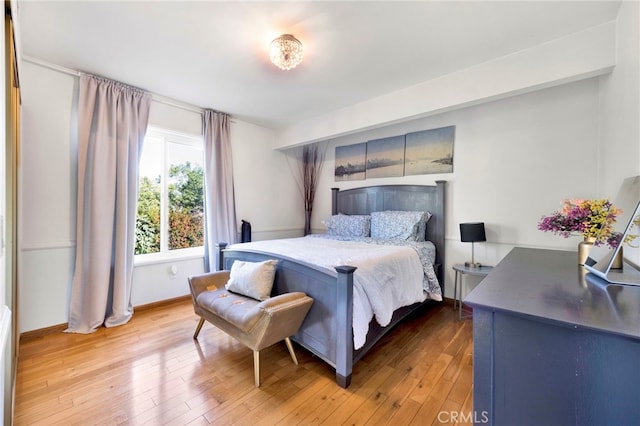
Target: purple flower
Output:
{"points": [[589, 218]]}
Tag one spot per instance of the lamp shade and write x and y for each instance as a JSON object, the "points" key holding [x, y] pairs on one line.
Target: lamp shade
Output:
{"points": [[472, 232]]}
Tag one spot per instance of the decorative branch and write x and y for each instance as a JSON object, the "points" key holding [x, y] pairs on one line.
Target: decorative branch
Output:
{"points": [[310, 164], [310, 160]]}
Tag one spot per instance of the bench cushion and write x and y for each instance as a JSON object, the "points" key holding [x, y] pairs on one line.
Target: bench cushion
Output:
{"points": [[241, 311]]}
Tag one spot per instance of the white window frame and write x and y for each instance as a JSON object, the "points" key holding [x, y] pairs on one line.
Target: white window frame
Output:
{"points": [[168, 136]]}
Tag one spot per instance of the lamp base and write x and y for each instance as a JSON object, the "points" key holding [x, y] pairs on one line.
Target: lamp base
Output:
{"points": [[473, 264]]}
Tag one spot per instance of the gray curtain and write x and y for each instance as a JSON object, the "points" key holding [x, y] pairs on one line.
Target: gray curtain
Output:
{"points": [[220, 207], [112, 121]]}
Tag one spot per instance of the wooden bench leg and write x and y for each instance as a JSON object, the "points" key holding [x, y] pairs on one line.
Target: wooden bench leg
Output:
{"points": [[256, 367], [290, 347], [198, 328]]}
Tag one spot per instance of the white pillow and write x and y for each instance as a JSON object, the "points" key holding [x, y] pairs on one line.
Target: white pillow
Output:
{"points": [[252, 279]]}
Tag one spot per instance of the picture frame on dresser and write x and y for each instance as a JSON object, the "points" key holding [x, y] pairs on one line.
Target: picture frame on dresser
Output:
{"points": [[601, 258]]}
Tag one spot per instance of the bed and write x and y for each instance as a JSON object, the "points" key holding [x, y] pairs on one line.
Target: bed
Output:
{"points": [[328, 330]]}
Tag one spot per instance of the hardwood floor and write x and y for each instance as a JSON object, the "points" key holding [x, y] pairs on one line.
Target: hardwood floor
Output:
{"points": [[151, 371]]}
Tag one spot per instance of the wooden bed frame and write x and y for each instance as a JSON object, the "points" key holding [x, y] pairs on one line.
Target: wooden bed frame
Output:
{"points": [[328, 328]]}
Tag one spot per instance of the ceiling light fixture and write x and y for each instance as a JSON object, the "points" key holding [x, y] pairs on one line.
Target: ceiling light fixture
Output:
{"points": [[286, 52]]}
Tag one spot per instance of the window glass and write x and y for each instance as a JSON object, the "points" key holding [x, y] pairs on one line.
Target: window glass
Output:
{"points": [[170, 216], [186, 196], [149, 193]]}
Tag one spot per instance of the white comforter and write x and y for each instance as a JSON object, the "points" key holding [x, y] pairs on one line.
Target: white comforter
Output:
{"points": [[388, 277]]}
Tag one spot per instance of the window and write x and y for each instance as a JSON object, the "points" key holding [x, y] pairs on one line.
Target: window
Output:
{"points": [[170, 219]]}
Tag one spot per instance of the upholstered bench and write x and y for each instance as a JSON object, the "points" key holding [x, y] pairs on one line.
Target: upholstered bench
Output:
{"points": [[255, 323]]}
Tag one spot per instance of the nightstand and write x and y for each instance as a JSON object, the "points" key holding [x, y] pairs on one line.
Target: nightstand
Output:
{"points": [[461, 270]]}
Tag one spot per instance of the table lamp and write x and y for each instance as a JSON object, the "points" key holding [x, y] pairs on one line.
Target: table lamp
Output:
{"points": [[472, 232]]}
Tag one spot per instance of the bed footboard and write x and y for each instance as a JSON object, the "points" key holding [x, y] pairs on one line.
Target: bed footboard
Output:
{"points": [[327, 331], [344, 338]]}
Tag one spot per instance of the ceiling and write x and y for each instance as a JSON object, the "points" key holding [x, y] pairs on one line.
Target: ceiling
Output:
{"points": [[214, 54]]}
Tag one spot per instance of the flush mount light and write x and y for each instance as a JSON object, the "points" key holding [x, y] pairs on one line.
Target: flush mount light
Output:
{"points": [[286, 52]]}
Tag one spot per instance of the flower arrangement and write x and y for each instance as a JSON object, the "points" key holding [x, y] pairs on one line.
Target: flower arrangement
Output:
{"points": [[589, 218]]}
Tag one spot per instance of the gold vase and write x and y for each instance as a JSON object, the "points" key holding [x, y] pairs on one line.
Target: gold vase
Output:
{"points": [[617, 261], [584, 247]]}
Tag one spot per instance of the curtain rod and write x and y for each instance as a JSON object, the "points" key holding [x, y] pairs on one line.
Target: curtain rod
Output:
{"points": [[154, 96]]}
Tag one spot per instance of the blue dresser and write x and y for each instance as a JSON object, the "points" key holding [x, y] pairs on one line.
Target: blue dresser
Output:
{"points": [[553, 345]]}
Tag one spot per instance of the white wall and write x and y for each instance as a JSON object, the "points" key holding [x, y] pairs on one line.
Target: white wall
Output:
{"points": [[514, 160], [266, 193], [620, 104], [48, 197], [574, 57]]}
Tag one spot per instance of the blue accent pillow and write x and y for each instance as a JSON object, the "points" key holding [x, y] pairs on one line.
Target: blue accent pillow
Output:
{"points": [[342, 225], [399, 225]]}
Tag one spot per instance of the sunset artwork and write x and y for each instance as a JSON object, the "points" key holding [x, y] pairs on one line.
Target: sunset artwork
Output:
{"points": [[350, 162], [429, 151], [417, 153], [385, 157]]}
